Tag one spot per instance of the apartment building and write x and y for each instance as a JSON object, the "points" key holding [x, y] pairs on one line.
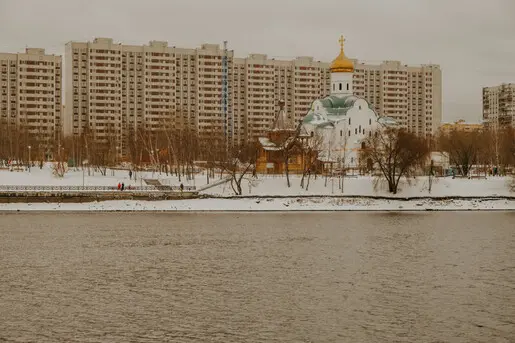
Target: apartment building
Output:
{"points": [[113, 90], [412, 95], [259, 84], [499, 105], [30, 96]]}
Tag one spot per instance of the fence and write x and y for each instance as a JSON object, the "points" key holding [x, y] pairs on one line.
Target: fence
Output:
{"points": [[37, 188]]}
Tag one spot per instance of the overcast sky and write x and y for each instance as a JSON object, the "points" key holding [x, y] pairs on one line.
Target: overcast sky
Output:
{"points": [[472, 40]]}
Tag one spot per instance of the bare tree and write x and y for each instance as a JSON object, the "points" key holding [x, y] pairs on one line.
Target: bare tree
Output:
{"points": [[238, 161], [464, 148], [310, 152], [396, 152], [290, 146]]}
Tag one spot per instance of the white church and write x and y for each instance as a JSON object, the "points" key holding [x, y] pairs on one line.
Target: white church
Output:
{"points": [[342, 119]]}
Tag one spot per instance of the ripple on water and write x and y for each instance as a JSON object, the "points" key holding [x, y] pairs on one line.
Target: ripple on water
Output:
{"points": [[300, 277]]}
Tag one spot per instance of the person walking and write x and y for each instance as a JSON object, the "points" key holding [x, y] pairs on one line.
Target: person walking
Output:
{"points": [[182, 187], [123, 186], [119, 186]]}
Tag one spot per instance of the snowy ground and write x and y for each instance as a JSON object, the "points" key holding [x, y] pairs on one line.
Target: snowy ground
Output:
{"points": [[267, 185], [270, 186], [44, 177], [364, 186]]}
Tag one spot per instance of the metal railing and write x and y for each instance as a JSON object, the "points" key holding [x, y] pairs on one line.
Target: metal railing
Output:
{"points": [[47, 188]]}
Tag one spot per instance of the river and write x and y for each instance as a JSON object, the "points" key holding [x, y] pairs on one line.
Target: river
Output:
{"points": [[262, 277]]}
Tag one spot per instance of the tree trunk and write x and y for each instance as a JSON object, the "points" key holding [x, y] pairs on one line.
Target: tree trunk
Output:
{"points": [[309, 178], [286, 170]]}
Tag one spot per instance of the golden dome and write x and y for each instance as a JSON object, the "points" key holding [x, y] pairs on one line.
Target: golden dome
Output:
{"points": [[342, 64]]}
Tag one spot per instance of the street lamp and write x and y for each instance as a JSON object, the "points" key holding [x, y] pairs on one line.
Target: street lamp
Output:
{"points": [[117, 154], [29, 157], [152, 161], [84, 163]]}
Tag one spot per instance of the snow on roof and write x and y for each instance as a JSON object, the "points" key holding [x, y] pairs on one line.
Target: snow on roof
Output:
{"points": [[268, 145], [265, 142]]}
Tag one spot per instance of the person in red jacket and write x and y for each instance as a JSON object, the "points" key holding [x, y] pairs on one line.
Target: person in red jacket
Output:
{"points": [[119, 186]]}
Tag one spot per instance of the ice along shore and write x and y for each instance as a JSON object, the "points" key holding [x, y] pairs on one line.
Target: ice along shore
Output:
{"points": [[291, 203]]}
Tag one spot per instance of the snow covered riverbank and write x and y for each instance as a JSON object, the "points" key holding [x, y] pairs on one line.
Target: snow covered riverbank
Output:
{"points": [[273, 204], [272, 194]]}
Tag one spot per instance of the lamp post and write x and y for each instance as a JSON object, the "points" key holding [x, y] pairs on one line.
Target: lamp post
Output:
{"points": [[84, 163], [152, 161], [29, 157]]}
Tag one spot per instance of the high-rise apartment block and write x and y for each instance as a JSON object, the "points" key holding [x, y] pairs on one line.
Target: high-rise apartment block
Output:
{"points": [[30, 96], [412, 95], [259, 83], [499, 105], [115, 90]]}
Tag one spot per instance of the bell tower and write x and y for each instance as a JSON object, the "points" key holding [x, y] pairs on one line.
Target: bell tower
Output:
{"points": [[342, 71]]}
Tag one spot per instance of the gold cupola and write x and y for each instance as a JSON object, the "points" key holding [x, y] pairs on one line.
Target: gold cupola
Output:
{"points": [[342, 64]]}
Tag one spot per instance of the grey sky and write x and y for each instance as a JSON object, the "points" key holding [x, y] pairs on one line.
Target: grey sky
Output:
{"points": [[472, 40]]}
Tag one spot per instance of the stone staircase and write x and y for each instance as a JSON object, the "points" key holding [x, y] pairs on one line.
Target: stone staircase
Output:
{"points": [[157, 184]]}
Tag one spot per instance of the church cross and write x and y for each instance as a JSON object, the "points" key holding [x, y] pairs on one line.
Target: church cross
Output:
{"points": [[341, 41]]}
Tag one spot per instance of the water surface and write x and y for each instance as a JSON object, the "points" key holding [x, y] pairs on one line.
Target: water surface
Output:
{"points": [[279, 277]]}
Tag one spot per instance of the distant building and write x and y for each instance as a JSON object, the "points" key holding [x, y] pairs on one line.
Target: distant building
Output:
{"points": [[114, 90], [461, 126], [30, 96], [412, 95], [499, 105], [343, 119]]}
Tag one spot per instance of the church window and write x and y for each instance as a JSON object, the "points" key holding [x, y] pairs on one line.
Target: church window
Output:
{"points": [[360, 129], [340, 86], [347, 86], [363, 131], [334, 87], [356, 131], [360, 107], [349, 121], [349, 133], [341, 133], [312, 133], [370, 122]]}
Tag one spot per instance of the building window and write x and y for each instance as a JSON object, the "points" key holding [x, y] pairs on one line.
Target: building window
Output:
{"points": [[349, 133], [349, 121], [340, 86], [341, 133], [334, 87], [347, 86], [370, 122]]}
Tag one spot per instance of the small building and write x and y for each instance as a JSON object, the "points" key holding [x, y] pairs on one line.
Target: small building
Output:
{"points": [[461, 126], [441, 162], [283, 139]]}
